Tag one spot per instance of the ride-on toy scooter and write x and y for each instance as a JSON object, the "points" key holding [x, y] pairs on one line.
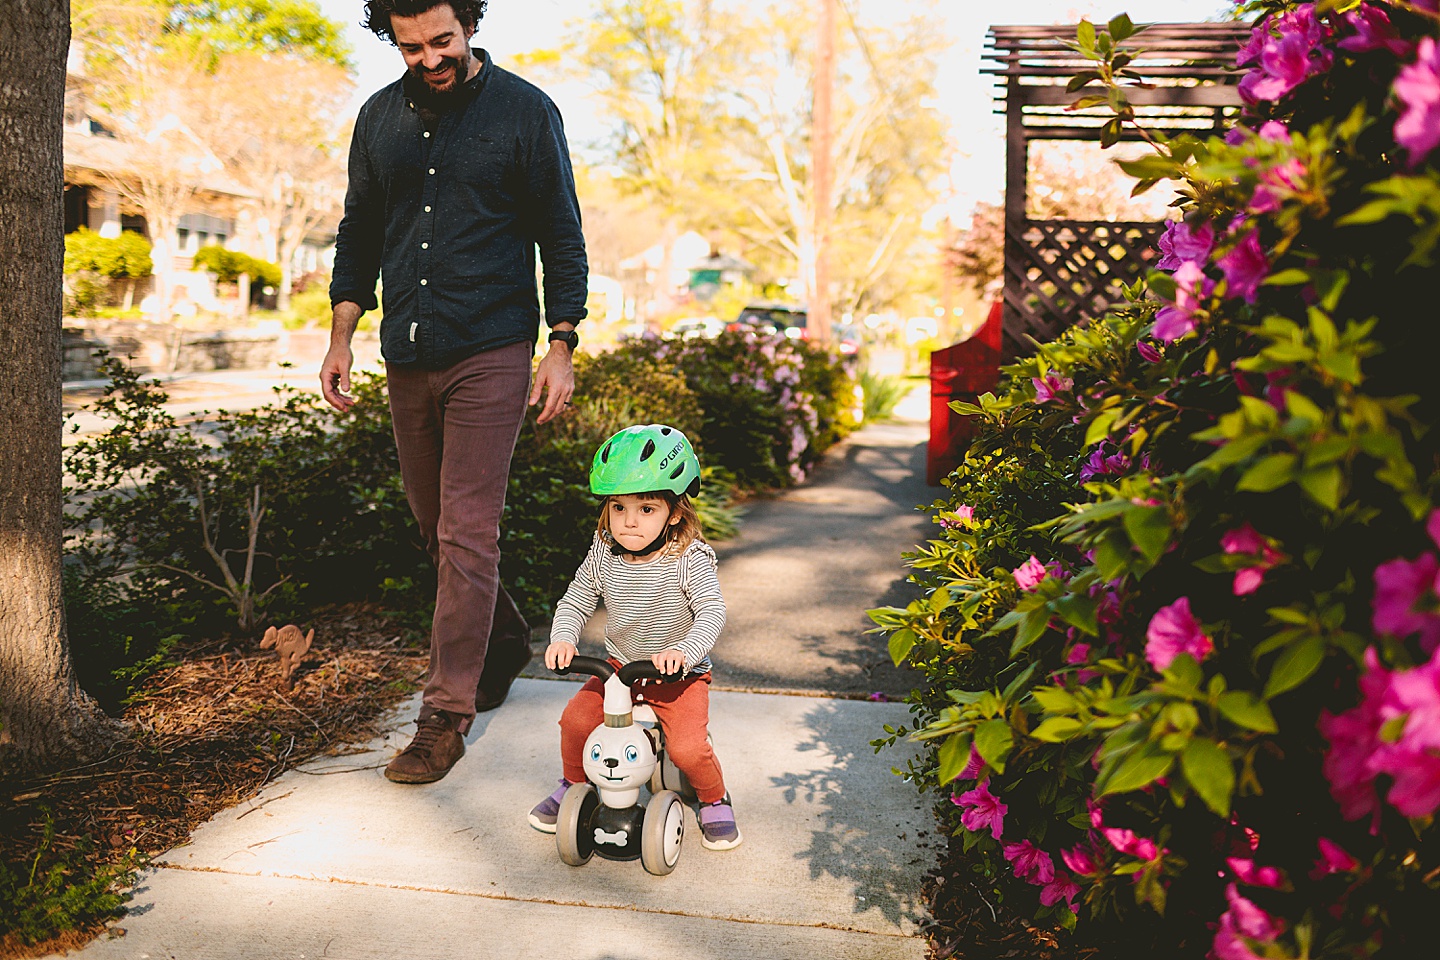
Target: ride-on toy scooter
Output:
{"points": [[622, 754]]}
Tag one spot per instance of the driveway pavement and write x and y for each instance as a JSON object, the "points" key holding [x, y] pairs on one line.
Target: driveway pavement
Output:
{"points": [[334, 861]]}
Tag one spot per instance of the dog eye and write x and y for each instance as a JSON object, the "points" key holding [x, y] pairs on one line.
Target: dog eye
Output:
{"points": [[631, 753], [595, 751]]}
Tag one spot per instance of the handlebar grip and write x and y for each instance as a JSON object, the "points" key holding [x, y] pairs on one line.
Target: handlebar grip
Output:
{"points": [[593, 666], [645, 670]]}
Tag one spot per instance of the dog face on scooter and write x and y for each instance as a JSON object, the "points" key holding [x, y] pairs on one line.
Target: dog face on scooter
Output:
{"points": [[619, 758]]}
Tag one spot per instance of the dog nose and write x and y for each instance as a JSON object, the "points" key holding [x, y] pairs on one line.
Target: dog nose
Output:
{"points": [[611, 762]]}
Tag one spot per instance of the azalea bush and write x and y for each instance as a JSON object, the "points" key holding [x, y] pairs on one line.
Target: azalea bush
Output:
{"points": [[1182, 630]]}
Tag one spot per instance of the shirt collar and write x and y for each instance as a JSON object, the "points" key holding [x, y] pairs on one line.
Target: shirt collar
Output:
{"points": [[417, 93]]}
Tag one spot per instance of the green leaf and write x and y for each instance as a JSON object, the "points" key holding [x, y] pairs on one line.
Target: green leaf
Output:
{"points": [[1054, 699], [939, 600], [1324, 485], [1140, 769], [993, 741], [1270, 473], [901, 644], [1085, 35], [1294, 665], [1288, 278], [1120, 27], [1185, 673], [1099, 427], [1211, 773], [1078, 611], [1149, 530], [1057, 729], [1244, 709], [1030, 630], [953, 754]]}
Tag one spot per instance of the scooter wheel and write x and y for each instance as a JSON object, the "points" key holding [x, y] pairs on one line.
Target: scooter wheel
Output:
{"points": [[662, 833], [574, 830]]}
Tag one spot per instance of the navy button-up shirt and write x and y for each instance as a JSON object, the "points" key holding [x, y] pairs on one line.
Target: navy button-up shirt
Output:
{"points": [[449, 219]]}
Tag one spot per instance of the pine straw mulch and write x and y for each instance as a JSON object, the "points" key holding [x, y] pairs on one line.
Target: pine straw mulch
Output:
{"points": [[206, 734]]}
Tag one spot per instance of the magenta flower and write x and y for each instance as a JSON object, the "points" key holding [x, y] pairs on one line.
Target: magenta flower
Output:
{"points": [[1373, 31], [1173, 631], [1418, 88], [1246, 540], [1101, 464], [1354, 739], [1248, 873], [965, 513], [1125, 841], [1030, 862], [983, 811], [1333, 859], [1404, 599], [1275, 183], [1062, 887], [1284, 59], [1051, 386], [974, 766], [1241, 925], [1245, 266], [1029, 574], [1180, 243], [1412, 760], [1084, 859], [1177, 319], [1148, 352]]}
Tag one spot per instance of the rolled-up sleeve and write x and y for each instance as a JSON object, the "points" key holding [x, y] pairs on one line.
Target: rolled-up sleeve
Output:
{"points": [[359, 241], [700, 582]]}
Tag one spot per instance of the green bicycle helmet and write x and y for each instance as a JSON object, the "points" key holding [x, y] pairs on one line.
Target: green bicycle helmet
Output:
{"points": [[645, 458]]}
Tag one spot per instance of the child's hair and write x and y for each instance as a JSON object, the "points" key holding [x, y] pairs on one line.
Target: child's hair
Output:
{"points": [[679, 535]]}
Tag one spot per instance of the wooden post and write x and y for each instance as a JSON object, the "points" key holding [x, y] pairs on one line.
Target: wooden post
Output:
{"points": [[1017, 171], [821, 174]]}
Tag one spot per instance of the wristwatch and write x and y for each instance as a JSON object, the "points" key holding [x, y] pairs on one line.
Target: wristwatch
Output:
{"points": [[570, 338]]}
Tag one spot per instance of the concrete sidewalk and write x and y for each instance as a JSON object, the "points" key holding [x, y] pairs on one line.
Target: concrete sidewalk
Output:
{"points": [[334, 861]]}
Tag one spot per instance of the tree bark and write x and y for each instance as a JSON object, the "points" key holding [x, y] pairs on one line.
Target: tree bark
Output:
{"points": [[44, 717]]}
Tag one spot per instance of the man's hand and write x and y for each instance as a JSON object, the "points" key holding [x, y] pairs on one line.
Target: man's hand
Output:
{"points": [[335, 368], [559, 654], [669, 662], [555, 378]]}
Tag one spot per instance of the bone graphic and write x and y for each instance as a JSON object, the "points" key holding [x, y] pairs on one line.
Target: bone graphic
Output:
{"points": [[619, 838]]}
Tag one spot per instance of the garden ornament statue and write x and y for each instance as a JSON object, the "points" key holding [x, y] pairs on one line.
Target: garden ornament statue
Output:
{"points": [[291, 645], [604, 816]]}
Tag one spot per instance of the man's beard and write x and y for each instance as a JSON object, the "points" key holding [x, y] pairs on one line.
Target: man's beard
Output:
{"points": [[459, 68]]}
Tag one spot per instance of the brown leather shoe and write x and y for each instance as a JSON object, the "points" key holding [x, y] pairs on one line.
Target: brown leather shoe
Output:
{"points": [[436, 747], [496, 679]]}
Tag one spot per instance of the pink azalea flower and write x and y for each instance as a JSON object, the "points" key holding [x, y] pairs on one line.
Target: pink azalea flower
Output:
{"points": [[1148, 352], [1051, 386], [1173, 631], [1029, 574], [1177, 319], [965, 512], [1413, 760], [1274, 131], [1084, 859], [974, 766], [983, 811], [1180, 243], [1248, 873], [1097, 815], [1285, 179], [1242, 924], [1030, 862], [1125, 841], [1373, 31], [1246, 540], [1354, 739], [1432, 527], [1418, 88], [1400, 587], [1286, 58], [1243, 539], [1333, 859], [1245, 267], [1061, 887]]}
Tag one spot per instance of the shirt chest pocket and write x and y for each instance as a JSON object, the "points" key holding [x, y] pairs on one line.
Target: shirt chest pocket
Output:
{"points": [[485, 167]]}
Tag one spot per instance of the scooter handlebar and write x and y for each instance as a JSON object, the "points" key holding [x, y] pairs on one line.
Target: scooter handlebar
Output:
{"points": [[629, 673]]}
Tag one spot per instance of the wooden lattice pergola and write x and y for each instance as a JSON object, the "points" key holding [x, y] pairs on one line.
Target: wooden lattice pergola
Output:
{"points": [[1062, 272]]}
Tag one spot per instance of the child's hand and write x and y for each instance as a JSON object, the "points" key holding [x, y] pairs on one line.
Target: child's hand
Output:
{"points": [[559, 654], [669, 661]]}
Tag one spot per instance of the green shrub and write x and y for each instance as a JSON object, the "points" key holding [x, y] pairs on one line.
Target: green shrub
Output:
{"points": [[126, 257], [228, 265], [60, 890], [882, 395]]}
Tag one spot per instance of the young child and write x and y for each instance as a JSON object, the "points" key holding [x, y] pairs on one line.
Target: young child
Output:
{"points": [[653, 570]]}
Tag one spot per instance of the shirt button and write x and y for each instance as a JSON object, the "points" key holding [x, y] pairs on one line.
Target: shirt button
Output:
{"points": [[432, 171], [427, 209], [424, 246], [427, 134], [423, 281]]}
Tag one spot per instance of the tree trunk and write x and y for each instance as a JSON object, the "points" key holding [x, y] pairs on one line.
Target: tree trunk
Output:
{"points": [[46, 718]]}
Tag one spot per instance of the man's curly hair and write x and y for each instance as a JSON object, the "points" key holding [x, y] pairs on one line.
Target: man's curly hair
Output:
{"points": [[379, 12]]}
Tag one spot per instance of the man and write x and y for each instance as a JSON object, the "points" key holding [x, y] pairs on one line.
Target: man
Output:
{"points": [[458, 170]]}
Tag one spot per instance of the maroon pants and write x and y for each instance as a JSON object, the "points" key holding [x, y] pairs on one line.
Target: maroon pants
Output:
{"points": [[683, 710], [456, 431]]}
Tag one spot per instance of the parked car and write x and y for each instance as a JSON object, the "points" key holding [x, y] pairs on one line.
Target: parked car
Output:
{"points": [[784, 319], [691, 327]]}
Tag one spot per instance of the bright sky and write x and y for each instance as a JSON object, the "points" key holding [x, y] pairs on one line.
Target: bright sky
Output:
{"points": [[978, 168]]}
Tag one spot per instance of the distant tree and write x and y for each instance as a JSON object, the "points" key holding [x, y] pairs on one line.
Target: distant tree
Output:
{"points": [[44, 716], [295, 28]]}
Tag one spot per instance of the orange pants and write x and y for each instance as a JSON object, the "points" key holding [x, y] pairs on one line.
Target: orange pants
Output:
{"points": [[683, 710]]}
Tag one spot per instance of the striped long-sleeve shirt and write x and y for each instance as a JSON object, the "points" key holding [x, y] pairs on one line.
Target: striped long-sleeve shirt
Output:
{"points": [[668, 603]]}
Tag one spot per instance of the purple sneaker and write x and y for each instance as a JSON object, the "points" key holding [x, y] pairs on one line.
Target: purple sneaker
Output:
{"points": [[545, 813], [717, 825]]}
